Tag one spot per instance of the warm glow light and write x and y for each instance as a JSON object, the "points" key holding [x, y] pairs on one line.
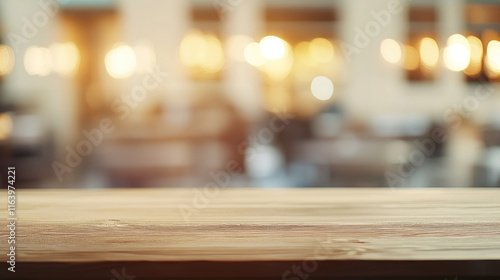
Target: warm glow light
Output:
{"points": [[493, 58], [236, 46], [456, 57], [278, 69], [38, 61], [493, 51], [190, 49], [391, 51], [253, 56], [120, 62], [302, 50], [6, 60], [321, 50], [411, 61], [476, 56], [5, 126], [272, 47], [303, 57], [429, 53], [145, 58], [212, 59], [65, 58], [305, 68], [457, 39], [322, 88], [457, 53], [202, 52]]}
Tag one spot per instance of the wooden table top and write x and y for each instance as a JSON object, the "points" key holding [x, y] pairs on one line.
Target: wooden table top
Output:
{"points": [[260, 230]]}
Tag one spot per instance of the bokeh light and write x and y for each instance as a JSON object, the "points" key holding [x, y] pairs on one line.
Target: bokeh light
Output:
{"points": [[321, 50], [456, 57], [120, 62], [211, 56], [458, 39], [202, 53], [476, 56], [38, 61], [6, 60], [391, 51], [65, 58], [278, 69], [457, 53], [429, 53], [493, 58], [253, 55], [322, 88], [190, 48], [272, 47]]}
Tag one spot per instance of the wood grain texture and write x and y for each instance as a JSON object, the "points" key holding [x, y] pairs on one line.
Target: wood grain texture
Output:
{"points": [[391, 227]]}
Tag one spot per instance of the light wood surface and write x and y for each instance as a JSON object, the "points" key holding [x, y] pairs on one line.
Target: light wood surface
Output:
{"points": [[257, 225]]}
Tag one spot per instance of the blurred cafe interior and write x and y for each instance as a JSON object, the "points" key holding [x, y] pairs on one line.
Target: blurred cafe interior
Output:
{"points": [[250, 93]]}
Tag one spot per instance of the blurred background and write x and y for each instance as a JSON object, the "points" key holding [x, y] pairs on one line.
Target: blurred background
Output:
{"points": [[249, 93]]}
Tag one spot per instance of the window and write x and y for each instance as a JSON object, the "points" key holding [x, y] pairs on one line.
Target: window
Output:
{"points": [[483, 25], [310, 51], [421, 50], [201, 49]]}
